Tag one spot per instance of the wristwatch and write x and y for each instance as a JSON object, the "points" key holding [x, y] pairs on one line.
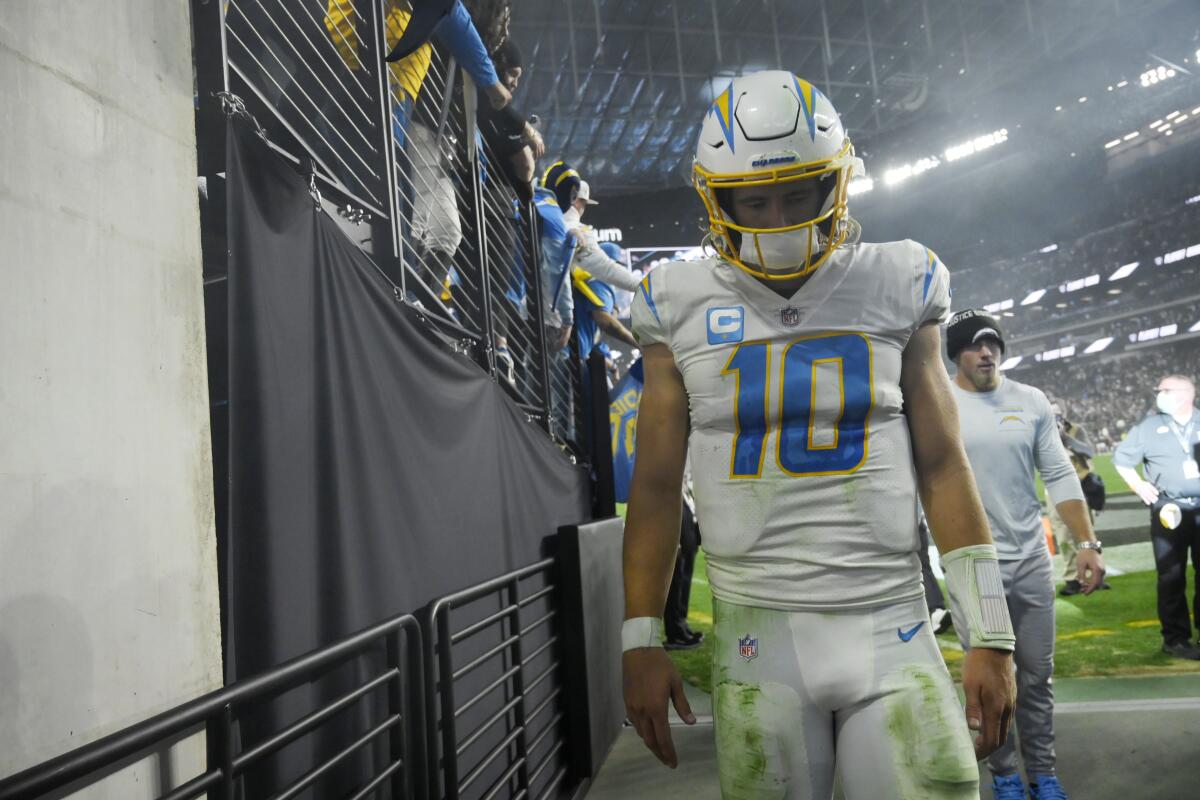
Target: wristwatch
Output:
{"points": [[1090, 545]]}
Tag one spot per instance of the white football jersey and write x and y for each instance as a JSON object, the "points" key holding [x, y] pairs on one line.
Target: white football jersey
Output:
{"points": [[801, 460]]}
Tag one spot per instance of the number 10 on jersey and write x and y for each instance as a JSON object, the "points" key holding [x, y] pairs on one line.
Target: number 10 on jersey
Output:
{"points": [[797, 451]]}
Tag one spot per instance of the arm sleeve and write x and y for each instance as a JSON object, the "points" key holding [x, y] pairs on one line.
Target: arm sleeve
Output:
{"points": [[457, 32], [933, 289], [1131, 451], [590, 258], [646, 313], [1051, 458]]}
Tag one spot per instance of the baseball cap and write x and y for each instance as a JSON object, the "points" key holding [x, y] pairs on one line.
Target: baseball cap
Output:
{"points": [[970, 326], [585, 194]]}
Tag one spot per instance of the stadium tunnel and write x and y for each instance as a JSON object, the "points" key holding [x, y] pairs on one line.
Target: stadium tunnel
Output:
{"points": [[309, 488]]}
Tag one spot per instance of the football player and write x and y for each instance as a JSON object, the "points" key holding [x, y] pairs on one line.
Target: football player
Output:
{"points": [[804, 370]]}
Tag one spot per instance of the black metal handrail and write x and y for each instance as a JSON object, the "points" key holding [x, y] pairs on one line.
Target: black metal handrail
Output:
{"points": [[517, 737], [216, 712]]}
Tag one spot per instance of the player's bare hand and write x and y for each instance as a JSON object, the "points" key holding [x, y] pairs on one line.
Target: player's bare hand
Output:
{"points": [[650, 679], [1148, 492], [990, 693], [1089, 570]]}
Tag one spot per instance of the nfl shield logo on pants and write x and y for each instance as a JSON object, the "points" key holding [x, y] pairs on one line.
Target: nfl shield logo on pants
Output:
{"points": [[789, 316], [748, 648]]}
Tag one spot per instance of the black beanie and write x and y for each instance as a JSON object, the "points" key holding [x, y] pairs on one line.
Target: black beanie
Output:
{"points": [[968, 327]]}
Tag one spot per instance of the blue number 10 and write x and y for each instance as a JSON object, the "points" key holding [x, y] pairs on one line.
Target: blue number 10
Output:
{"points": [[796, 451]]}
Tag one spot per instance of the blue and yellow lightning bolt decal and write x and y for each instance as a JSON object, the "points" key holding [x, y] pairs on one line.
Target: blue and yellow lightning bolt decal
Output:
{"points": [[930, 268], [648, 296], [808, 103], [723, 108]]}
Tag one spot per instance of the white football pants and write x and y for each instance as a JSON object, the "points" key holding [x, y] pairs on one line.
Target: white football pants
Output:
{"points": [[798, 695]]}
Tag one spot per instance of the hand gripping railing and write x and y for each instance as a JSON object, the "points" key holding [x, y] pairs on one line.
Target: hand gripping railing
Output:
{"points": [[218, 713]]}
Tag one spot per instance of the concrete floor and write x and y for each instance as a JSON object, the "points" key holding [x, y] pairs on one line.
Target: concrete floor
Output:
{"points": [[1118, 739]]}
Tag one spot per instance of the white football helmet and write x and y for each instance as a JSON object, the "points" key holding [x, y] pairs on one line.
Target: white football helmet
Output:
{"points": [[767, 128]]}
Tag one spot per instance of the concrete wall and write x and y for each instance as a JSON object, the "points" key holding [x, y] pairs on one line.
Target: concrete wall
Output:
{"points": [[108, 589]]}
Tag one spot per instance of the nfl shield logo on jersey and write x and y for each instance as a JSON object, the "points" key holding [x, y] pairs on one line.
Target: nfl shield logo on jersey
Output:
{"points": [[748, 648], [789, 316]]}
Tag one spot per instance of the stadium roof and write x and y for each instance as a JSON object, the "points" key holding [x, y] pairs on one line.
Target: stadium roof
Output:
{"points": [[620, 85]]}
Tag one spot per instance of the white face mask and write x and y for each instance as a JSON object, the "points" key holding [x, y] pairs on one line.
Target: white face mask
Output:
{"points": [[1166, 402], [571, 216], [781, 252]]}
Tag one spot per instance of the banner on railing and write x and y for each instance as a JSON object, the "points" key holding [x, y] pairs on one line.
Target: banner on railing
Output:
{"points": [[622, 418]]}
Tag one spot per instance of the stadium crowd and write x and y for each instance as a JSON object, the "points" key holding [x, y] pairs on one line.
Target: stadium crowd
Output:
{"points": [[1108, 396]]}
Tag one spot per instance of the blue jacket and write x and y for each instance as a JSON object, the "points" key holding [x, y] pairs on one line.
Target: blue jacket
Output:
{"points": [[557, 250]]}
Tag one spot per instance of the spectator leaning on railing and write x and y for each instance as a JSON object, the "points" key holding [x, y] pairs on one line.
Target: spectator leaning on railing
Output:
{"points": [[511, 137], [436, 227], [574, 196], [554, 264]]}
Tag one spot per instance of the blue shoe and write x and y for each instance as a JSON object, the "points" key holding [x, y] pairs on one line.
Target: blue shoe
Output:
{"points": [[1008, 787], [1047, 787]]}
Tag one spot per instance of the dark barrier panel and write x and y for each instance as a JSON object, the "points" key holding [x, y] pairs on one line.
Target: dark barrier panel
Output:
{"points": [[593, 606], [496, 718], [398, 685], [375, 467]]}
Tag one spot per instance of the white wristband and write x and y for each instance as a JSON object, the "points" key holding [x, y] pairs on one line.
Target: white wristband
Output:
{"points": [[641, 632], [976, 588]]}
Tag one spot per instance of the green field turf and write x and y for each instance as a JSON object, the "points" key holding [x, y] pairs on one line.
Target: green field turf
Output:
{"points": [[1108, 633]]}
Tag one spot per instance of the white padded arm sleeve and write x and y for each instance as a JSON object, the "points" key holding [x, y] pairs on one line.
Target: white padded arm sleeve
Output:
{"points": [[976, 589]]}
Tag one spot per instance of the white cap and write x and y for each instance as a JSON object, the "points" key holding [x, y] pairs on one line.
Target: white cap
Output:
{"points": [[585, 194]]}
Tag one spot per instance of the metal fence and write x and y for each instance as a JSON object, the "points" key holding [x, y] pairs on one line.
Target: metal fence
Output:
{"points": [[496, 710], [396, 153], [396, 687]]}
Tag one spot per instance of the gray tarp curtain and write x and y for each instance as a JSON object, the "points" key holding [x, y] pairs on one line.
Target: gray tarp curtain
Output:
{"points": [[372, 469]]}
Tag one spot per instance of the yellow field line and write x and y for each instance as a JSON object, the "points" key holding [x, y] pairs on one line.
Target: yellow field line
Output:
{"points": [[1085, 634], [1142, 623]]}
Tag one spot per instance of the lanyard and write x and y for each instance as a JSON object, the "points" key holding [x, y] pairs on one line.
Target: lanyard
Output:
{"points": [[1183, 435]]}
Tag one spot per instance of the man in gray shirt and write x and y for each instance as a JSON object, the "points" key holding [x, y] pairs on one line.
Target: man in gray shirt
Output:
{"points": [[1008, 429], [1167, 446]]}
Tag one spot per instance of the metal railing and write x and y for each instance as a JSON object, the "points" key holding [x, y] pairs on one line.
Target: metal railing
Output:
{"points": [[445, 226], [495, 711], [397, 686]]}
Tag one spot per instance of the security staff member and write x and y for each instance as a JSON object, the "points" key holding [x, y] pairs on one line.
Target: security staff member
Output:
{"points": [[1008, 429], [1167, 447]]}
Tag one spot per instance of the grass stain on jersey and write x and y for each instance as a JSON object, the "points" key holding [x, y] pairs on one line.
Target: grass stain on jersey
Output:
{"points": [[742, 741], [931, 746]]}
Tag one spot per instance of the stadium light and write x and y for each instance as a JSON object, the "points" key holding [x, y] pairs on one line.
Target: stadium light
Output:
{"points": [[1112, 144], [1172, 115], [1153, 76], [1012, 361], [1129, 136], [894, 176], [1098, 345], [1156, 123], [1122, 84], [1078, 283], [1195, 327], [978, 144], [1033, 297], [1057, 353], [1003, 305], [860, 186], [1050, 248], [1124, 271]]}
